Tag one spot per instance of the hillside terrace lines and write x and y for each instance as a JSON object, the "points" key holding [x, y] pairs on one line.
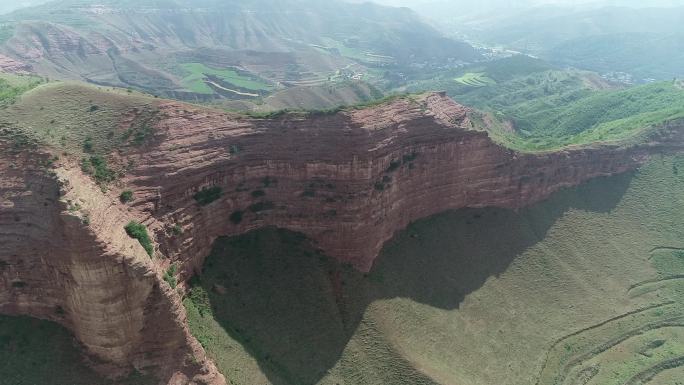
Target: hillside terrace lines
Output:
{"points": [[555, 372], [647, 375]]}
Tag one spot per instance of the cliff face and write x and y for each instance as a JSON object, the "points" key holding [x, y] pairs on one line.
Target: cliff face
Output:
{"points": [[347, 180], [65, 257]]}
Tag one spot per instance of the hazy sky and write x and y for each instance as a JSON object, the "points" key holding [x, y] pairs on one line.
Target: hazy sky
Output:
{"points": [[11, 5], [522, 3]]}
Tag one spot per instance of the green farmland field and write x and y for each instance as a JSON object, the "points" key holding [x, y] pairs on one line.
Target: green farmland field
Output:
{"points": [[475, 79], [195, 80]]}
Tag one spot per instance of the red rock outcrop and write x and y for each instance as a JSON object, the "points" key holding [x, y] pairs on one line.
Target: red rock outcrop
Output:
{"points": [[9, 65], [347, 180], [65, 257]]}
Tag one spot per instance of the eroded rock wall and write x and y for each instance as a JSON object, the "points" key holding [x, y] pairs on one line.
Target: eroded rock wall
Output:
{"points": [[348, 181], [64, 257]]}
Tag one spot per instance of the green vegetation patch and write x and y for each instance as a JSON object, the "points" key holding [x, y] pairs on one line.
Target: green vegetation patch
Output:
{"points": [[34, 352], [126, 196], [236, 217], [208, 195], [554, 109], [196, 79], [138, 231], [61, 115], [475, 79], [532, 106], [97, 167], [13, 86], [261, 206], [170, 276], [337, 47]]}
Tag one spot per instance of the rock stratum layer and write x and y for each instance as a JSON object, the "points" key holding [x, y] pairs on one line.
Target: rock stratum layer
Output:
{"points": [[61, 260], [348, 181]]}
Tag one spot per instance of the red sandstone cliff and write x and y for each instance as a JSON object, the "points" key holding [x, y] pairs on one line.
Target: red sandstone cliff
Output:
{"points": [[347, 180], [65, 257]]}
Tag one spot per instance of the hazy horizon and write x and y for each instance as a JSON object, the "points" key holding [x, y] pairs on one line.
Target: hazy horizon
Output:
{"points": [[432, 7]]}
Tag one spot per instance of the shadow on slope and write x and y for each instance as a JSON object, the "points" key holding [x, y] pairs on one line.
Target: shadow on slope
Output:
{"points": [[294, 310], [34, 351]]}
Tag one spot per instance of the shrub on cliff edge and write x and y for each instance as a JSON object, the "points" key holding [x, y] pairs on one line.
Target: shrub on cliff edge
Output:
{"points": [[208, 195], [139, 232], [236, 217], [126, 196], [170, 276]]}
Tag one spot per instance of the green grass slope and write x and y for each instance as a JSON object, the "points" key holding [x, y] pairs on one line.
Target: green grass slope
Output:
{"points": [[580, 116], [35, 352], [81, 122], [197, 73], [13, 86], [537, 109], [69, 115], [584, 288]]}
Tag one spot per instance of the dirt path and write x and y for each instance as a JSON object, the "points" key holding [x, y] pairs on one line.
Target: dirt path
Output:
{"points": [[229, 90]]}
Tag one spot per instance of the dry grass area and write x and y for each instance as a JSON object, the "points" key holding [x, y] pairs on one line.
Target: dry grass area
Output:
{"points": [[67, 116], [581, 289]]}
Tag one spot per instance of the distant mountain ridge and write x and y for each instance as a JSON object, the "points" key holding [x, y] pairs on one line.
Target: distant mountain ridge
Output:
{"points": [[139, 43], [646, 42]]}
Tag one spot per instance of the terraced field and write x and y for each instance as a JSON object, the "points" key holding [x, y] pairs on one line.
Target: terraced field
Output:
{"points": [[475, 79], [197, 79], [584, 288], [632, 348], [342, 49]]}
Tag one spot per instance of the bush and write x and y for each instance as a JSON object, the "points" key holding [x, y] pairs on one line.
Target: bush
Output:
{"points": [[236, 217], [261, 206], [177, 229], [142, 134], [200, 298], [409, 157], [208, 195], [258, 193], [170, 276], [138, 231], [268, 181], [126, 196], [88, 145], [235, 149], [96, 166], [393, 166]]}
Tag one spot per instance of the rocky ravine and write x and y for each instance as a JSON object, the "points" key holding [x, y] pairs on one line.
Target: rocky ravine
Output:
{"points": [[347, 180]]}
